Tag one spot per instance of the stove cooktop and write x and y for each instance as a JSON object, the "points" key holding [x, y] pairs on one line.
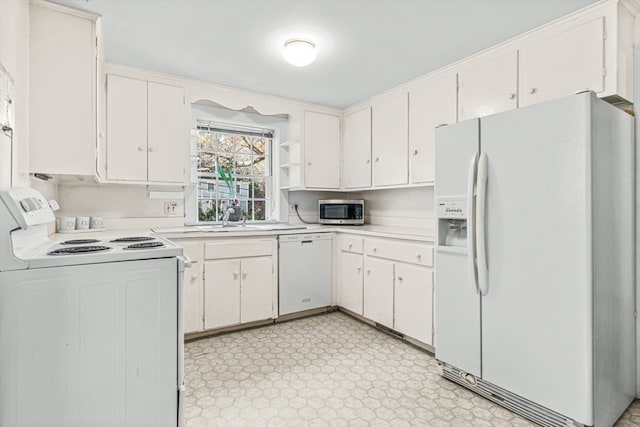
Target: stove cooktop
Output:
{"points": [[145, 245], [79, 241], [78, 250], [133, 239]]}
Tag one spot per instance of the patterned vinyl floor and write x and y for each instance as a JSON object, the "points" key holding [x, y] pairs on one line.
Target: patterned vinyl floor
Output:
{"points": [[329, 370]]}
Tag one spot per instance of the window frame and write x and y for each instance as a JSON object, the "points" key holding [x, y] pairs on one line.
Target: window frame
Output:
{"points": [[220, 198]]}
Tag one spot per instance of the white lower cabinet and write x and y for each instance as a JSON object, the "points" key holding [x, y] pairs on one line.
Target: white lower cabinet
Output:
{"points": [[388, 281], [229, 282], [350, 278], [192, 293], [378, 291], [256, 291], [413, 293]]}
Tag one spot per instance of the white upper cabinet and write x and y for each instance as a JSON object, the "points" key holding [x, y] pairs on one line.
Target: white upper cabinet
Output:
{"points": [[146, 138], [63, 76], [166, 141], [321, 150], [488, 85], [126, 128], [390, 140], [432, 102], [560, 65], [356, 149]]}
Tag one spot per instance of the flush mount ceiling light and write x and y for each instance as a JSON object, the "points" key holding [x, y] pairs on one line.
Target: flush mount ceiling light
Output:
{"points": [[299, 52]]}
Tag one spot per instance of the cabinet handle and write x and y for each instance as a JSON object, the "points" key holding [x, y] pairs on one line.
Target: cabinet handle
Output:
{"points": [[308, 163], [512, 96], [368, 271], [415, 152], [151, 150], [368, 161], [140, 148], [194, 277], [350, 245], [400, 278], [532, 90], [359, 269], [375, 250], [236, 274], [419, 256], [377, 159], [244, 274]]}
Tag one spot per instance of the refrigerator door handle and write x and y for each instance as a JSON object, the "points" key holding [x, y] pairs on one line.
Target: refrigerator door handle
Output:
{"points": [[471, 217], [480, 232]]}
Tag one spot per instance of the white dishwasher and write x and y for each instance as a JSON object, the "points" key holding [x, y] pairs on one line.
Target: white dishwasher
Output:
{"points": [[305, 273]]}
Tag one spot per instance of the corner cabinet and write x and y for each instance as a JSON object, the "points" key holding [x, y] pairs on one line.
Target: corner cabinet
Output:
{"points": [[63, 88], [146, 136], [321, 150]]}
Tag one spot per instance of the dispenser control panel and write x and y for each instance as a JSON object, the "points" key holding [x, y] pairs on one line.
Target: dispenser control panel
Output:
{"points": [[452, 208]]}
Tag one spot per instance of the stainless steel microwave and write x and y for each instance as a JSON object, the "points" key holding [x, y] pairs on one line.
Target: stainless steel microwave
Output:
{"points": [[348, 212]]}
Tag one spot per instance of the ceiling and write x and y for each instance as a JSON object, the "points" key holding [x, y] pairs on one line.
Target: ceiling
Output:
{"points": [[364, 46]]}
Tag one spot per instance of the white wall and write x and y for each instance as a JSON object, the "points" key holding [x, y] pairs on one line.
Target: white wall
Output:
{"points": [[14, 55], [122, 206]]}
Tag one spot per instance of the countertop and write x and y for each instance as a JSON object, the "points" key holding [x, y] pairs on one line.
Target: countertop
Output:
{"points": [[420, 234], [189, 232]]}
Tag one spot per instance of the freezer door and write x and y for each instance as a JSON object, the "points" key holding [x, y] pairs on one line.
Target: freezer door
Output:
{"points": [[536, 316], [457, 304]]}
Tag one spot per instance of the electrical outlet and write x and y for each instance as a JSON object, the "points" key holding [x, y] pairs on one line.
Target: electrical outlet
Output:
{"points": [[170, 208]]}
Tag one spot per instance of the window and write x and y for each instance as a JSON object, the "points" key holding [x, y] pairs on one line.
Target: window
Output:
{"points": [[234, 168]]}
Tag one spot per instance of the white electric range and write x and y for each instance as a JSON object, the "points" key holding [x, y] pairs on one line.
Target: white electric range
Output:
{"points": [[90, 330]]}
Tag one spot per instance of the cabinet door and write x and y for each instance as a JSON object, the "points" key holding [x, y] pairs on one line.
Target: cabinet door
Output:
{"points": [[350, 281], [356, 149], [126, 128], [193, 292], [167, 140], [413, 312], [321, 150], [563, 64], [256, 290], [431, 103], [221, 293], [63, 93], [488, 86], [378, 291], [390, 140]]}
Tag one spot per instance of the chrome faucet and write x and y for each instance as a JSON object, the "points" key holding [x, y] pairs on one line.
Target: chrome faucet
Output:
{"points": [[227, 213]]}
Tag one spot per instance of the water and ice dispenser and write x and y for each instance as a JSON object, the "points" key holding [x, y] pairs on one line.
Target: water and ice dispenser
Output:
{"points": [[452, 221]]}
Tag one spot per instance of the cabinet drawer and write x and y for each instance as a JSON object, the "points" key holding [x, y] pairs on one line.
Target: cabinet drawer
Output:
{"points": [[351, 244], [238, 249], [413, 253]]}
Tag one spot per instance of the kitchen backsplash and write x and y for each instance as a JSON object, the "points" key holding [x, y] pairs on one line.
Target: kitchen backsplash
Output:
{"points": [[130, 206], [400, 207]]}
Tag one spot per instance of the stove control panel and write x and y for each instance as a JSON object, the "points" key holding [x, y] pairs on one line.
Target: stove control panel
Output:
{"points": [[27, 206]]}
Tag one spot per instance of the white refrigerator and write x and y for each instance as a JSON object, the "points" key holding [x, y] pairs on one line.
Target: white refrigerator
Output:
{"points": [[534, 294]]}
